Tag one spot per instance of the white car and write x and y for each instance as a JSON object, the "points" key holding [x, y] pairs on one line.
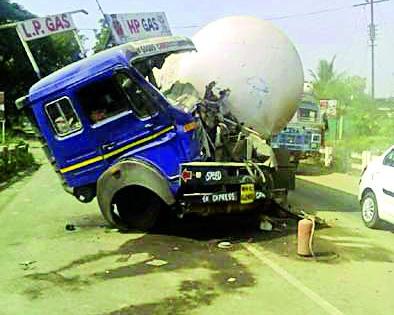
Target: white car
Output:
{"points": [[376, 190]]}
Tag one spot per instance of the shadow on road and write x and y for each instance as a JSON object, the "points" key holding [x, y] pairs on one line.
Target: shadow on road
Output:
{"points": [[177, 254], [192, 244], [310, 169], [183, 245], [314, 197]]}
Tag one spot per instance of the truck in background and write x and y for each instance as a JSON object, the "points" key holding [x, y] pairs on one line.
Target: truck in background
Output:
{"points": [[305, 133]]}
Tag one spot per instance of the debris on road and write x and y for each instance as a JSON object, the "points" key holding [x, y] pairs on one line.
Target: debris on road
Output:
{"points": [[306, 229], [303, 215], [265, 225], [225, 245], [70, 227], [111, 230], [157, 262], [27, 265]]}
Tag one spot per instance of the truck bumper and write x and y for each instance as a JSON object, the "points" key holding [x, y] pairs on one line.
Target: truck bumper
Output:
{"points": [[217, 187]]}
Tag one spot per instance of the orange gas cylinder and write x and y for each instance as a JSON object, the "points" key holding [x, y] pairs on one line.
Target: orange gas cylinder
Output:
{"points": [[305, 234]]}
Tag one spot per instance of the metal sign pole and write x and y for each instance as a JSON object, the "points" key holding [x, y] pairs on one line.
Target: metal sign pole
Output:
{"points": [[3, 131], [29, 54], [2, 116], [107, 21], [26, 46]]}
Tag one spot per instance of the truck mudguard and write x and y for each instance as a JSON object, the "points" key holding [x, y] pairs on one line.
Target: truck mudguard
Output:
{"points": [[126, 173]]}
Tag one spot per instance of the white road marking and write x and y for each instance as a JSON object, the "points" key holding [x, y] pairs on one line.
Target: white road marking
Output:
{"points": [[342, 238], [260, 255]]}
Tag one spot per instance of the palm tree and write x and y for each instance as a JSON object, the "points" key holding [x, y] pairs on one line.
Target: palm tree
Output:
{"points": [[325, 79], [325, 71]]}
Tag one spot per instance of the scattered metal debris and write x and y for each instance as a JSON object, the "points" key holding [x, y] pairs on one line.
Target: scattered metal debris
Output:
{"points": [[111, 230], [225, 245], [157, 262], [265, 225], [27, 265]]}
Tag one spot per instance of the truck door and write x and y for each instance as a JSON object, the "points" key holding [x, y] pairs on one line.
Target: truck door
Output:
{"points": [[76, 153], [122, 113]]}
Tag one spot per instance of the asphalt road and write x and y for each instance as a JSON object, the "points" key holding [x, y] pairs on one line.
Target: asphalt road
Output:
{"points": [[179, 269]]}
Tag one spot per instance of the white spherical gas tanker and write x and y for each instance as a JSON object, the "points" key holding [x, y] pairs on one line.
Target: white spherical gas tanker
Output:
{"points": [[252, 58]]}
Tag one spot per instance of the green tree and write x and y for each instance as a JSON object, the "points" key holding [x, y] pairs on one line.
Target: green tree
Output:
{"points": [[325, 71], [16, 73], [325, 79], [366, 127], [103, 37]]}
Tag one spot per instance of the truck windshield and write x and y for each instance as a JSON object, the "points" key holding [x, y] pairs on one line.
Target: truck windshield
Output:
{"points": [[305, 114]]}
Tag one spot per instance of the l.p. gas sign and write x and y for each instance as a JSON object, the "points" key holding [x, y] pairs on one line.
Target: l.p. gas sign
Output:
{"points": [[49, 25]]}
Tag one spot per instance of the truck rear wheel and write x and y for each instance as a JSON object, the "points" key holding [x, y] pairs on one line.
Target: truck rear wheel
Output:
{"points": [[137, 208]]}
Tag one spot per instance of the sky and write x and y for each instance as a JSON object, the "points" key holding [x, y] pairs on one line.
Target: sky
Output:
{"points": [[319, 29]]}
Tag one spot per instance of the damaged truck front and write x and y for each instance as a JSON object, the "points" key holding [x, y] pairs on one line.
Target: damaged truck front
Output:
{"points": [[109, 132]]}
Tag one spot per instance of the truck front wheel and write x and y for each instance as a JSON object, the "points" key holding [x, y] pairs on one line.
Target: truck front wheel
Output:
{"points": [[137, 208]]}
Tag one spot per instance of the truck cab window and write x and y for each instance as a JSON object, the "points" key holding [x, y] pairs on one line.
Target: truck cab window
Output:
{"points": [[140, 101], [63, 118], [103, 99], [112, 96]]}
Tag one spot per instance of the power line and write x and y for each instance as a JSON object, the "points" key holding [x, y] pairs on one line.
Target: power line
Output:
{"points": [[186, 26], [318, 12], [367, 2], [282, 17]]}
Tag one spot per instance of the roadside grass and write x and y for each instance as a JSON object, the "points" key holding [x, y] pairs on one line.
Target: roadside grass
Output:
{"points": [[15, 159]]}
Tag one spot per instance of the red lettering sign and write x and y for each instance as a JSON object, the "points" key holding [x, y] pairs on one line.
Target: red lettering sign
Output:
{"points": [[41, 27]]}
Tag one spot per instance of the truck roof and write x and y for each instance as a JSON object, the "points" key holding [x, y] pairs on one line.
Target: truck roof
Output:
{"points": [[119, 55]]}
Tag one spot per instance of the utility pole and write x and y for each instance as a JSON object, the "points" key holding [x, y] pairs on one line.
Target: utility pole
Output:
{"points": [[372, 38], [106, 19], [101, 10]]}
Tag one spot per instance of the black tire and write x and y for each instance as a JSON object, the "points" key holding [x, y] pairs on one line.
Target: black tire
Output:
{"points": [[138, 209], [369, 210]]}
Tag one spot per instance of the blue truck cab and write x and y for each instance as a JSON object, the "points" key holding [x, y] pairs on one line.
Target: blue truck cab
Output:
{"points": [[304, 133], [110, 133]]}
